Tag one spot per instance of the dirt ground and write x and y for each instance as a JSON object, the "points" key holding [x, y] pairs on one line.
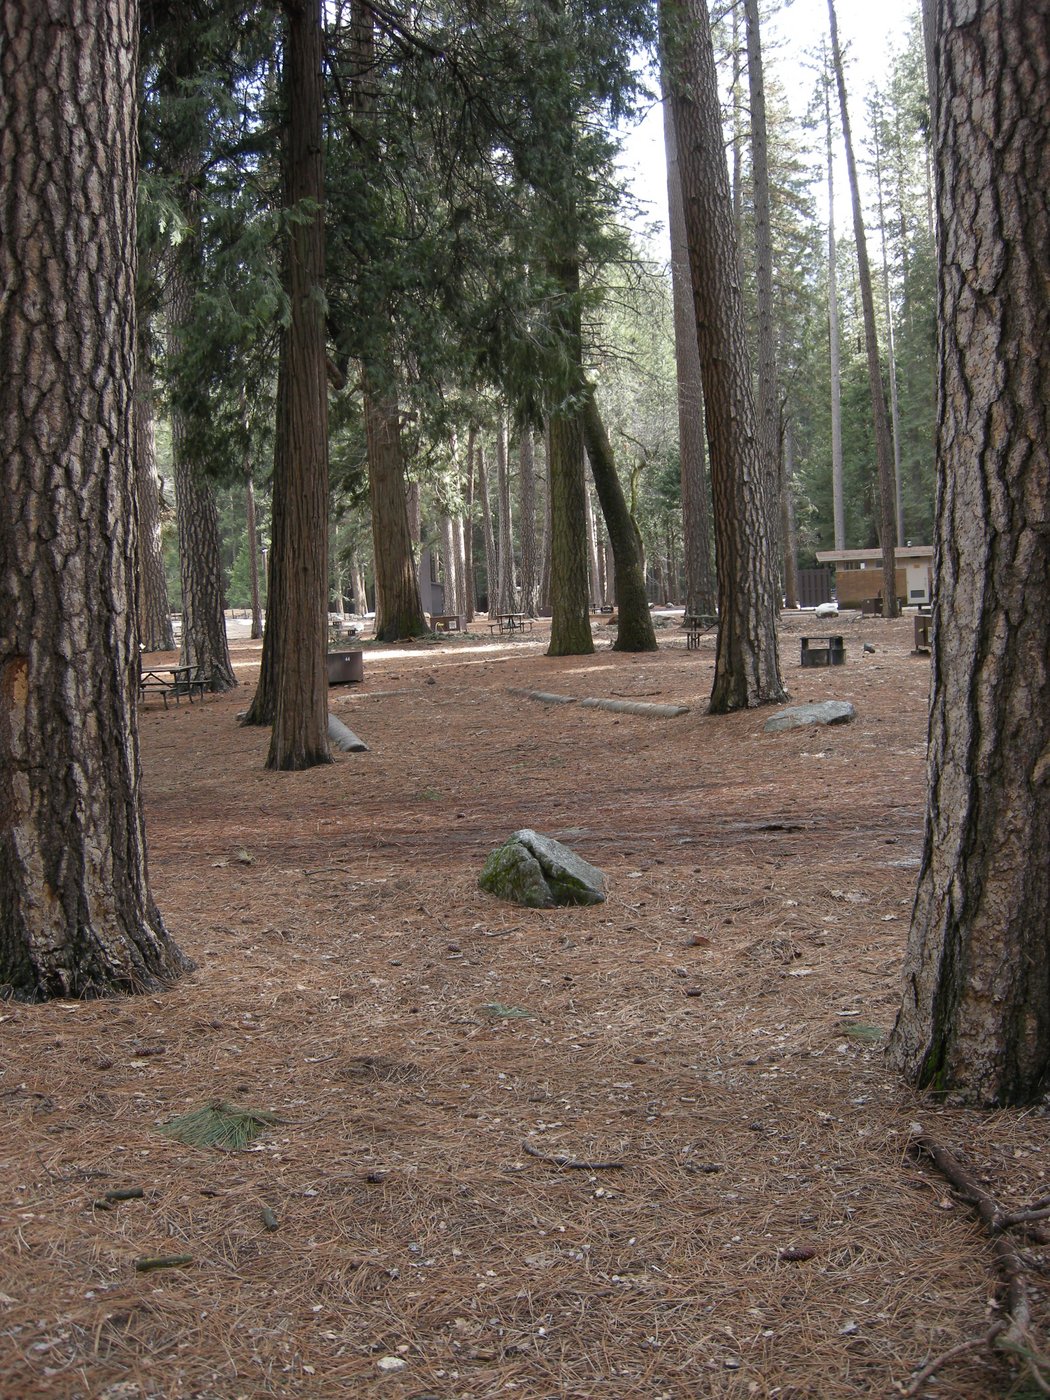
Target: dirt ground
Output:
{"points": [[648, 1149]]}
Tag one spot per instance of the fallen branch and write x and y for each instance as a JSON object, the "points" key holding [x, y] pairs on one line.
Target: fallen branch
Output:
{"points": [[562, 1159], [1012, 1336]]}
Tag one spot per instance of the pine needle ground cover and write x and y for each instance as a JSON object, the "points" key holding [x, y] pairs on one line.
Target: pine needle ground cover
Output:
{"points": [[643, 1149]]}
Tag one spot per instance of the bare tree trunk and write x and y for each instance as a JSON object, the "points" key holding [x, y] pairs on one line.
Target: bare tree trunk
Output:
{"points": [[299, 738], [470, 592], [506, 591], [880, 417], [527, 523], [975, 1017], [491, 568], [399, 609], [787, 526], [596, 595], [835, 350], [767, 406], [77, 918], [154, 611], [747, 669], [450, 578], [700, 596], [253, 560], [898, 497]]}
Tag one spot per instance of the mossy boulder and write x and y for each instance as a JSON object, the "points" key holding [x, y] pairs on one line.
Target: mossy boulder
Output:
{"points": [[539, 872]]}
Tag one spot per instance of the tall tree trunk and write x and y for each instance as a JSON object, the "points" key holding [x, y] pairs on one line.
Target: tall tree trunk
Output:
{"points": [[595, 594], [399, 609], [787, 526], [487, 535], [975, 1018], [891, 354], [506, 591], [253, 558], [767, 406], [154, 610], [880, 416], [634, 631], [299, 738], [700, 596], [834, 345], [747, 669], [204, 643], [527, 523], [450, 580], [77, 918], [570, 584], [470, 592]]}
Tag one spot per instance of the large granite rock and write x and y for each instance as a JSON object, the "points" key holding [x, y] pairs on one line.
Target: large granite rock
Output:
{"points": [[540, 872], [824, 712]]}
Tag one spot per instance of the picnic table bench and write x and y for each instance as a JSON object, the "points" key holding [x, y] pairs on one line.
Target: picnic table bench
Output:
{"points": [[697, 624], [173, 682], [510, 622]]}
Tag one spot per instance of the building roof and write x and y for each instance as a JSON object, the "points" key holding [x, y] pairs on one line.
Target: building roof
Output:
{"points": [[922, 553]]}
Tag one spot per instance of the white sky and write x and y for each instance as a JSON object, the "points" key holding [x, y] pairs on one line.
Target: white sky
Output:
{"points": [[871, 32]]}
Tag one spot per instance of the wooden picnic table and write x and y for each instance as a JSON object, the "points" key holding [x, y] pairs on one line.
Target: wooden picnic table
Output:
{"points": [[172, 681], [509, 622]]}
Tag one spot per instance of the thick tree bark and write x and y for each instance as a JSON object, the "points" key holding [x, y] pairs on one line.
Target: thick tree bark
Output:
{"points": [[700, 595], [634, 631], [399, 609], [154, 611], [570, 584], [747, 669], [768, 408], [879, 412], [299, 738], [527, 523], [975, 1018], [788, 530], [76, 914]]}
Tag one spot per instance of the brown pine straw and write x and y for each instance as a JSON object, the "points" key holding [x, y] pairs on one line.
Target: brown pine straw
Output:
{"points": [[714, 1026]]}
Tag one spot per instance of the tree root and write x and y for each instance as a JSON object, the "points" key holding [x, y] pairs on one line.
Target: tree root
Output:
{"points": [[1013, 1334]]}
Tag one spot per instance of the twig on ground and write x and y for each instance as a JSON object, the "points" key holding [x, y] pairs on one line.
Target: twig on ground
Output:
{"points": [[562, 1159]]}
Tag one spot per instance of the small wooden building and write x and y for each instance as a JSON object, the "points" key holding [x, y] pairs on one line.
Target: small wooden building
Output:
{"points": [[858, 575]]}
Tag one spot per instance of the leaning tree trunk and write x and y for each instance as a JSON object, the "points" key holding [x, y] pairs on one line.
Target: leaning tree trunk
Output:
{"points": [[76, 915], [154, 611], [700, 596], [747, 669], [634, 630], [975, 1018], [879, 412]]}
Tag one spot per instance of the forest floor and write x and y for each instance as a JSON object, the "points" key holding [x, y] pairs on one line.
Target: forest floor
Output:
{"points": [[647, 1149]]}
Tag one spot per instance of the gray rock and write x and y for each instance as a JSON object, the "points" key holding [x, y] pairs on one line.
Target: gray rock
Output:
{"points": [[825, 712], [540, 872]]}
